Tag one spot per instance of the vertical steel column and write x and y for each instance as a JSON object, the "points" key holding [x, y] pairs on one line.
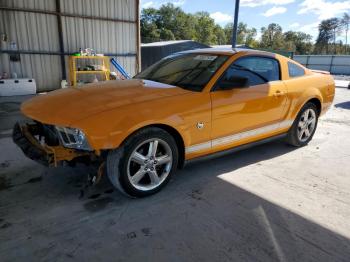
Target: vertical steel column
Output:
{"points": [[235, 25], [307, 61], [331, 65], [138, 38], [60, 38]]}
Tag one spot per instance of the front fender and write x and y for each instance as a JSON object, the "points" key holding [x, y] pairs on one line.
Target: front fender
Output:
{"points": [[108, 129]]}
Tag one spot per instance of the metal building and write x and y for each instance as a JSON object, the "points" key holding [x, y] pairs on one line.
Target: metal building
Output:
{"points": [[43, 33], [153, 52]]}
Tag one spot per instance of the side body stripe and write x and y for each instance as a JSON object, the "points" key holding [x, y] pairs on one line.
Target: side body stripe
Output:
{"points": [[236, 137]]}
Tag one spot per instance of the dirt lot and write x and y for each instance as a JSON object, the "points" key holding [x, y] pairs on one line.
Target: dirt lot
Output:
{"points": [[269, 203]]}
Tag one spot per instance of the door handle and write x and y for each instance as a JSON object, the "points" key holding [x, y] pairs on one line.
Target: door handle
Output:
{"points": [[278, 93]]}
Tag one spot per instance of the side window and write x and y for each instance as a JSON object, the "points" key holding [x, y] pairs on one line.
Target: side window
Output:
{"points": [[295, 70], [263, 66], [250, 71]]}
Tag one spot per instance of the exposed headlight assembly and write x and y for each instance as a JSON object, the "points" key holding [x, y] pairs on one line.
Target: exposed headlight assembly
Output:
{"points": [[73, 138]]}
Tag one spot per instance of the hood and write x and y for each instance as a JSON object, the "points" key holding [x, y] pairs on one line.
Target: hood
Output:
{"points": [[66, 106]]}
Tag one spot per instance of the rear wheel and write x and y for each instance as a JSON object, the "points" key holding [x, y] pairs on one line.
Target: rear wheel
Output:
{"points": [[304, 126], [144, 164]]}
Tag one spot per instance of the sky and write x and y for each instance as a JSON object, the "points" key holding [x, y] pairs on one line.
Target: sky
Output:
{"points": [[296, 15]]}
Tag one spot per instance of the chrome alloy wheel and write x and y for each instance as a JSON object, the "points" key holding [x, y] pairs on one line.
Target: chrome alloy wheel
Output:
{"points": [[306, 125], [149, 164]]}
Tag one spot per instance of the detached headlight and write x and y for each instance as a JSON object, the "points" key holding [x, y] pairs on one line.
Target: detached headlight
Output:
{"points": [[73, 138]]}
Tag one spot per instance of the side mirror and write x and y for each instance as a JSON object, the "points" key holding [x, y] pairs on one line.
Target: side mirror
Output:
{"points": [[233, 82]]}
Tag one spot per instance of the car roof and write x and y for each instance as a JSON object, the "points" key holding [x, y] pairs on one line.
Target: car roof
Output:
{"points": [[227, 51]]}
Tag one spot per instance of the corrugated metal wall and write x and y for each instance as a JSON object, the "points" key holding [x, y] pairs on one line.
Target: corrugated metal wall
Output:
{"points": [[336, 64], [115, 33], [32, 32]]}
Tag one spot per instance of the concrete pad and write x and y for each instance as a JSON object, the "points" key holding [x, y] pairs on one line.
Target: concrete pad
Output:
{"points": [[342, 83]]}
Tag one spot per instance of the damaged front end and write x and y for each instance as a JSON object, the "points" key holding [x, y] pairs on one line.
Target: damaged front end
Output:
{"points": [[48, 145]]}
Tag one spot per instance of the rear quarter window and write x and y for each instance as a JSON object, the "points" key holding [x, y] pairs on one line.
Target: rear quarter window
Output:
{"points": [[295, 70]]}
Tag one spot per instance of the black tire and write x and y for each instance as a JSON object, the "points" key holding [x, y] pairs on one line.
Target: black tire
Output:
{"points": [[292, 137], [118, 161]]}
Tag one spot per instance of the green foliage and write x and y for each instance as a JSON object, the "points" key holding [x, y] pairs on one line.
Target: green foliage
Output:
{"points": [[245, 35], [272, 37], [172, 23], [228, 33], [204, 28], [149, 28], [328, 31], [220, 35], [167, 23], [298, 42], [345, 22]]}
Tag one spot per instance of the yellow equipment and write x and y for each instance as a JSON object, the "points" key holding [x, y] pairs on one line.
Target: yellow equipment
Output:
{"points": [[82, 65]]}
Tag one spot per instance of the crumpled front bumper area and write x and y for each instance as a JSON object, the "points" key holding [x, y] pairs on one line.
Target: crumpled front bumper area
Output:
{"points": [[28, 137]]}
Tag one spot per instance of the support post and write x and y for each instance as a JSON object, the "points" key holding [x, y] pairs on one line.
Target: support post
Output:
{"points": [[307, 61], [235, 25], [60, 38], [331, 65], [138, 38]]}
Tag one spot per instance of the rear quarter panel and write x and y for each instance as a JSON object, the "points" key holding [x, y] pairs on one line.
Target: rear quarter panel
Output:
{"points": [[312, 85], [328, 93]]}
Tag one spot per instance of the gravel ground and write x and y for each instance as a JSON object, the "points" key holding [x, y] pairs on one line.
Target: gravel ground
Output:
{"points": [[268, 203]]}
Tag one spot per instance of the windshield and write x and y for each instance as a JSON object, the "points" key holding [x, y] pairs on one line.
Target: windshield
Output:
{"points": [[188, 71]]}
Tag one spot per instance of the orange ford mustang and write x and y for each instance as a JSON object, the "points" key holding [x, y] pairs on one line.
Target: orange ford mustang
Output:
{"points": [[187, 105]]}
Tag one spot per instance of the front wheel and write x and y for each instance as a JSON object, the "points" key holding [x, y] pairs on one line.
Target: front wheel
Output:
{"points": [[304, 126], [144, 164]]}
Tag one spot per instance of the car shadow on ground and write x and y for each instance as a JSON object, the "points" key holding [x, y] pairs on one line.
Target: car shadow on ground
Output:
{"points": [[344, 105], [197, 217]]}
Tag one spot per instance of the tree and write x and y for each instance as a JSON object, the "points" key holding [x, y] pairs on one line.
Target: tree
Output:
{"points": [[345, 23], [324, 37], [166, 23], [220, 35], [171, 23], [245, 35], [149, 29], [204, 28], [250, 38], [167, 34], [228, 33], [335, 26], [298, 42], [328, 30], [174, 19], [242, 31], [272, 37]]}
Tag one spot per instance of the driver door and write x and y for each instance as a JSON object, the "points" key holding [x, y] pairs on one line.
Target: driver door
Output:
{"points": [[248, 97]]}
